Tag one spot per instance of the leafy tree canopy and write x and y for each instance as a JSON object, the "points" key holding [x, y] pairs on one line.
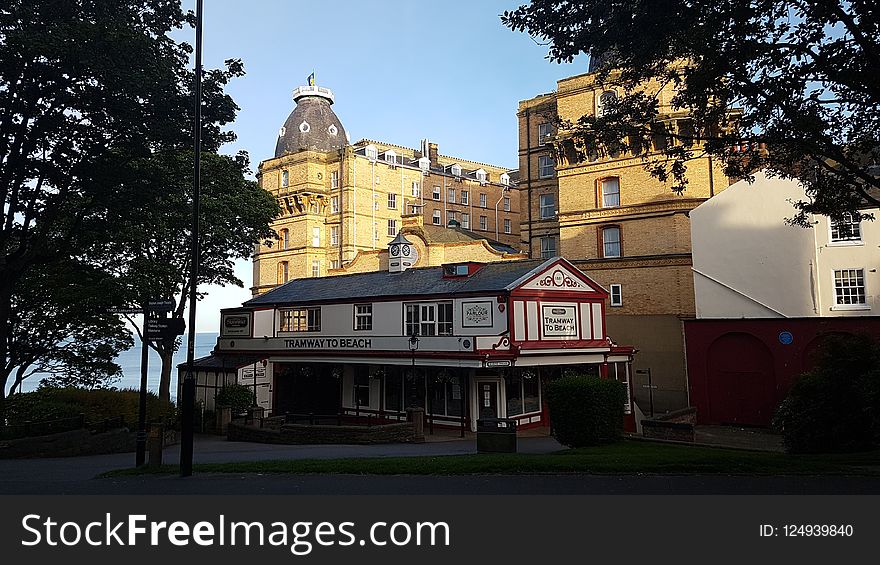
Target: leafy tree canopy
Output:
{"points": [[790, 86]]}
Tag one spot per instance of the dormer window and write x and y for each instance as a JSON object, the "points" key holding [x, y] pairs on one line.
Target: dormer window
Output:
{"points": [[455, 270], [305, 127], [456, 170], [425, 164], [332, 130], [481, 176], [371, 152], [505, 179], [391, 157]]}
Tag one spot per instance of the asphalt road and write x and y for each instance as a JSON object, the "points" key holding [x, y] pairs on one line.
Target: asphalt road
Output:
{"points": [[76, 475]]}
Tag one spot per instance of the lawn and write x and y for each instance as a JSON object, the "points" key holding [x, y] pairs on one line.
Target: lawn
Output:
{"points": [[626, 457]]}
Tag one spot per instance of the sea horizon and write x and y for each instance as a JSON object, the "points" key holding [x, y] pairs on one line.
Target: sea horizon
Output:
{"points": [[130, 362]]}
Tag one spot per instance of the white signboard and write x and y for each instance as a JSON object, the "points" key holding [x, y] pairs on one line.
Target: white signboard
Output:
{"points": [[559, 321], [476, 314]]}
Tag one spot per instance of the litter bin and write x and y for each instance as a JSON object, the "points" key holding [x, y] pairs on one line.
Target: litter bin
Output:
{"points": [[496, 435]]}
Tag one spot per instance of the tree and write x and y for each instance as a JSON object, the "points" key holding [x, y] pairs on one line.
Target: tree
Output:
{"points": [[790, 86], [234, 218], [92, 95]]}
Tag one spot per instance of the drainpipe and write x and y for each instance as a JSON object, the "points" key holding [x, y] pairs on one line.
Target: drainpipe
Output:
{"points": [[529, 176]]}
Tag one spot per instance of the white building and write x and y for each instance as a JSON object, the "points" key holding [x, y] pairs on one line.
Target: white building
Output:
{"points": [[462, 341], [748, 263]]}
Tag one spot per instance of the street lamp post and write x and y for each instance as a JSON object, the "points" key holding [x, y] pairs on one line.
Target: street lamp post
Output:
{"points": [[650, 386], [413, 346]]}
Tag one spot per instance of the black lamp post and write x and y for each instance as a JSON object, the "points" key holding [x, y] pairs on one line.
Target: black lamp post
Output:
{"points": [[413, 346]]}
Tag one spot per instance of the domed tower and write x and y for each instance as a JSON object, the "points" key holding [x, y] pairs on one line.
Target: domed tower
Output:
{"points": [[312, 125]]}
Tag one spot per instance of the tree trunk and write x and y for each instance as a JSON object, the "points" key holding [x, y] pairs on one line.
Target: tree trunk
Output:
{"points": [[5, 308], [166, 353]]}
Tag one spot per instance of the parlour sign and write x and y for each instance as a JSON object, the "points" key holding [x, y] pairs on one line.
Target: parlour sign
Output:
{"points": [[559, 321], [238, 324], [476, 314]]}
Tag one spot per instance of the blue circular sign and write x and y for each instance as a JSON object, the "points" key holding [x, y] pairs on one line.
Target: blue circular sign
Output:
{"points": [[785, 338]]}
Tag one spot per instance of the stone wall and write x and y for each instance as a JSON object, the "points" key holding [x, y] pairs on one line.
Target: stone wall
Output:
{"points": [[674, 426], [69, 444]]}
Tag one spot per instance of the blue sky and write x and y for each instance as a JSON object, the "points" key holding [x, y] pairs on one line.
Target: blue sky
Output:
{"points": [[401, 71]]}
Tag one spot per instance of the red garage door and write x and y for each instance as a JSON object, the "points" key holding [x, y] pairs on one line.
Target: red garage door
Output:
{"points": [[741, 383]]}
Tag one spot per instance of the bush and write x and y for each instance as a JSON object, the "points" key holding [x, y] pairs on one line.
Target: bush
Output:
{"points": [[586, 410], [836, 406], [49, 403], [236, 396]]}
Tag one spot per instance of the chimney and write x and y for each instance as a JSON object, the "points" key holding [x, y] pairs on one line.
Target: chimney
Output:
{"points": [[433, 154]]}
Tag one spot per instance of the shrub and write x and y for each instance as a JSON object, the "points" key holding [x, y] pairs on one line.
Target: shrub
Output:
{"points": [[49, 403], [836, 406], [586, 410], [236, 396]]}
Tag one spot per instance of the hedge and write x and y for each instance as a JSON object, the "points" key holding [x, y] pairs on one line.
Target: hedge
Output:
{"points": [[586, 410]]}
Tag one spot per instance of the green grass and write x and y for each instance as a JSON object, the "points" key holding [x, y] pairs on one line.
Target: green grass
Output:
{"points": [[627, 457]]}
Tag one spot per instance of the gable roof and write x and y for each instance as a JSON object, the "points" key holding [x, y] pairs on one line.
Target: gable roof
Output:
{"points": [[425, 281]]}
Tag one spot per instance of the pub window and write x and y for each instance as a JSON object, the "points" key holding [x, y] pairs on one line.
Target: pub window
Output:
{"points": [[301, 320], [428, 319], [363, 316], [361, 393], [444, 318]]}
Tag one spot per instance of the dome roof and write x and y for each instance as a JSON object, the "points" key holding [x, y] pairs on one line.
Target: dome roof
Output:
{"points": [[312, 125]]}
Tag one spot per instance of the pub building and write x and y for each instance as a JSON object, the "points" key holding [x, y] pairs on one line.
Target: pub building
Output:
{"points": [[463, 341]]}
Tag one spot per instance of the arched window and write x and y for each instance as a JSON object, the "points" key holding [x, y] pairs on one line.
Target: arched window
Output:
{"points": [[610, 192], [611, 242], [285, 179], [283, 272]]}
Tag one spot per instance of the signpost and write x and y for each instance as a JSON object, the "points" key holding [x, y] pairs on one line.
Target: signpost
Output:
{"points": [[154, 328], [650, 386]]}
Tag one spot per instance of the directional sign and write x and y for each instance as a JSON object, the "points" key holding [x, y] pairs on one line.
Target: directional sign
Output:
{"points": [[120, 310], [164, 328], [160, 305]]}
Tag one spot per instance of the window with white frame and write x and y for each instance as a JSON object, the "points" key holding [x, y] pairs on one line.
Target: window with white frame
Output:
{"points": [[416, 189], [285, 179], [372, 152], [392, 201], [435, 219], [616, 295], [334, 235], [464, 196], [482, 177], [392, 228], [334, 264], [316, 268], [484, 223], [849, 288], [611, 192], [391, 157], [363, 316], [316, 237], [504, 178], [846, 229], [450, 216], [334, 179], [545, 167], [435, 194], [285, 238], [611, 242], [548, 247], [544, 132], [466, 221], [431, 319], [547, 206], [300, 320], [484, 200], [506, 204], [456, 170], [334, 204], [507, 225], [450, 195]]}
